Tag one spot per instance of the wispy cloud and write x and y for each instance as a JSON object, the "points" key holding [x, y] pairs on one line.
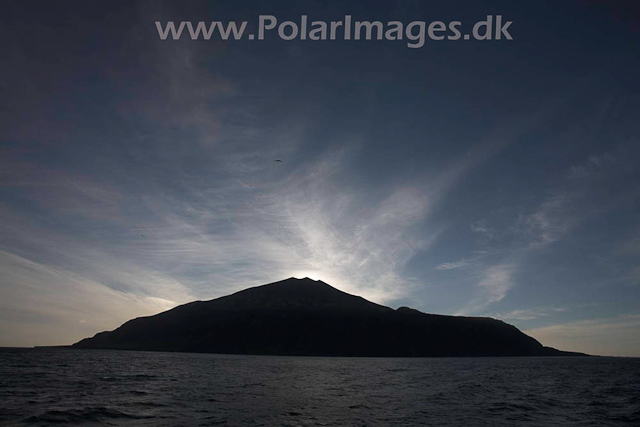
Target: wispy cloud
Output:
{"points": [[585, 193], [493, 287], [365, 254], [551, 221], [46, 305], [481, 228], [473, 263], [496, 282], [528, 313], [215, 239], [453, 265]]}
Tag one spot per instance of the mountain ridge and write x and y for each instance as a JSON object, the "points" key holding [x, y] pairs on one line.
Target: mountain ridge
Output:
{"points": [[312, 318]]}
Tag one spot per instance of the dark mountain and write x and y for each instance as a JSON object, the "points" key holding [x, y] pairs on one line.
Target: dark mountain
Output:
{"points": [[308, 317]]}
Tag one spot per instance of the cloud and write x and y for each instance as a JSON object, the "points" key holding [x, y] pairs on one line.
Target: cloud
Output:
{"points": [[588, 190], [481, 228], [366, 255], [45, 305], [453, 265], [356, 241], [488, 147], [529, 313], [118, 247], [180, 92], [496, 282], [493, 287], [169, 85], [551, 221]]}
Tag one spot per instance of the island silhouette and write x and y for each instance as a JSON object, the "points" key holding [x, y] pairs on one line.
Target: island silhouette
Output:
{"points": [[305, 317]]}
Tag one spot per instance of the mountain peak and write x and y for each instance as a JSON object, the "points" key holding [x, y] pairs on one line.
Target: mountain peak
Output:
{"points": [[293, 292], [304, 280]]}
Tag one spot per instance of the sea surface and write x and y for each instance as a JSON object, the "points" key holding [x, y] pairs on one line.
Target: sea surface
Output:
{"points": [[127, 388]]}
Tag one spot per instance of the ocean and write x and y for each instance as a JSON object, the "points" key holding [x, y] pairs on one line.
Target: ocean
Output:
{"points": [[128, 388]]}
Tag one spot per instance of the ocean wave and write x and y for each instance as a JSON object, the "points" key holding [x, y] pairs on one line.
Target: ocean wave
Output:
{"points": [[90, 414]]}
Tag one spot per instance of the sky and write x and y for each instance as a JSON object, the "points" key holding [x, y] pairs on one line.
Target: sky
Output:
{"points": [[484, 177]]}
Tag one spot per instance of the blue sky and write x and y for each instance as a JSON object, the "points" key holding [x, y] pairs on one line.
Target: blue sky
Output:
{"points": [[493, 178]]}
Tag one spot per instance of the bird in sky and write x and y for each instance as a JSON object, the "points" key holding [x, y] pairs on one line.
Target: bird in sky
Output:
{"points": [[278, 160]]}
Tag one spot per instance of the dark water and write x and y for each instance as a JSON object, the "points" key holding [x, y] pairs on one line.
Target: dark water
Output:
{"points": [[87, 387]]}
